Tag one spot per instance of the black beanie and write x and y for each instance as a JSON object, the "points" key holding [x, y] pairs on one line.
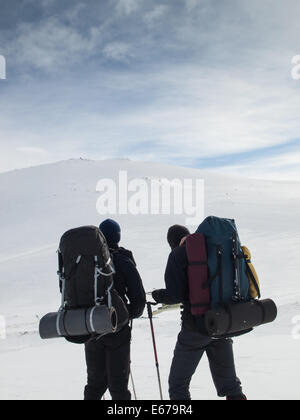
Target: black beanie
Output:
{"points": [[112, 231], [176, 234]]}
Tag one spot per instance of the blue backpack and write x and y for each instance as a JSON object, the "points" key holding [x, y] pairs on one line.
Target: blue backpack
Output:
{"points": [[228, 276]]}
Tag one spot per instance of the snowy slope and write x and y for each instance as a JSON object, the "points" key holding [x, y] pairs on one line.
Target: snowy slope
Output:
{"points": [[38, 204]]}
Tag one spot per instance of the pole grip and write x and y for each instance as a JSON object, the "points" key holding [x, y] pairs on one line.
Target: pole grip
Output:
{"points": [[150, 313]]}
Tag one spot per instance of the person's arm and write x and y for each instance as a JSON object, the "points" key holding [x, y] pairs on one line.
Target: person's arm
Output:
{"points": [[175, 280], [162, 296], [134, 289]]}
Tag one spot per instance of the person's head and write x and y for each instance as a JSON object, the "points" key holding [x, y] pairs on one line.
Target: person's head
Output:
{"points": [[112, 231], [175, 235]]}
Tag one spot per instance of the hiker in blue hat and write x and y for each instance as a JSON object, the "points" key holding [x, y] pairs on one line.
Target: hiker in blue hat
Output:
{"points": [[108, 358]]}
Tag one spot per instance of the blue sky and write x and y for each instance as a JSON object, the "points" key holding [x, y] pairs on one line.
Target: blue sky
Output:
{"points": [[199, 83]]}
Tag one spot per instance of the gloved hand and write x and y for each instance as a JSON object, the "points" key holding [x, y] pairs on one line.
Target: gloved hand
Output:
{"points": [[156, 296]]}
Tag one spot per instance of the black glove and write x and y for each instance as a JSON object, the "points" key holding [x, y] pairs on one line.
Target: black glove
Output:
{"points": [[156, 295]]}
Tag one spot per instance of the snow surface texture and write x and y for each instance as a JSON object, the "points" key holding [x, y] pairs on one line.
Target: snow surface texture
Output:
{"points": [[39, 204]]}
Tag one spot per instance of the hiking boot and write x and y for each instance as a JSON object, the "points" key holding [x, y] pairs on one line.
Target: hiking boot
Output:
{"points": [[241, 397]]}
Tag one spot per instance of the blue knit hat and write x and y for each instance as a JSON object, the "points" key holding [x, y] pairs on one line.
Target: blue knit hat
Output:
{"points": [[112, 231]]}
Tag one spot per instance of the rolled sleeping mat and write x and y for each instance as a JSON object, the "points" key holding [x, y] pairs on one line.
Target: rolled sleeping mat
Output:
{"points": [[240, 317], [102, 320], [48, 326], [99, 320]]}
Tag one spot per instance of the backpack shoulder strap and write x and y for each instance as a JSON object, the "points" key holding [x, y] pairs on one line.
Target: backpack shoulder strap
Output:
{"points": [[196, 250], [198, 274]]}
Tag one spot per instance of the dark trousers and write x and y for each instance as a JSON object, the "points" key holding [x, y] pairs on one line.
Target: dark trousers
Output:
{"points": [[189, 350], [108, 366]]}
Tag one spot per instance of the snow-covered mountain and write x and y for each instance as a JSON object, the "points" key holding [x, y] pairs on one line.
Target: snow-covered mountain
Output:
{"points": [[40, 203]]}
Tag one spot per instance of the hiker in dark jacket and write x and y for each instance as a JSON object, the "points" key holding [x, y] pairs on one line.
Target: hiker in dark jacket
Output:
{"points": [[193, 340], [108, 358]]}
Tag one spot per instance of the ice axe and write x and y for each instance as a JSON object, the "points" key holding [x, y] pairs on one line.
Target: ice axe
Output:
{"points": [[150, 315]]}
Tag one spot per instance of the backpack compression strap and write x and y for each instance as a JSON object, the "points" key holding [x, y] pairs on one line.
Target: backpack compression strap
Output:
{"points": [[198, 274], [101, 272], [62, 279], [237, 279]]}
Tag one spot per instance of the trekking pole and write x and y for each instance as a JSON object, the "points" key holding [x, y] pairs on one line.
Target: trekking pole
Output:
{"points": [[133, 386], [150, 315], [131, 376]]}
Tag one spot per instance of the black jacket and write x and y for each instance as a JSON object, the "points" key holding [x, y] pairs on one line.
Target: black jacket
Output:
{"points": [[128, 282], [177, 289]]}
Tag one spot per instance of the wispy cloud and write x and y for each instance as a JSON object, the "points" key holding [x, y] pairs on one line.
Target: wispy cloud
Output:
{"points": [[279, 167], [283, 154], [156, 14], [31, 150], [191, 82], [50, 45], [127, 7], [119, 51]]}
